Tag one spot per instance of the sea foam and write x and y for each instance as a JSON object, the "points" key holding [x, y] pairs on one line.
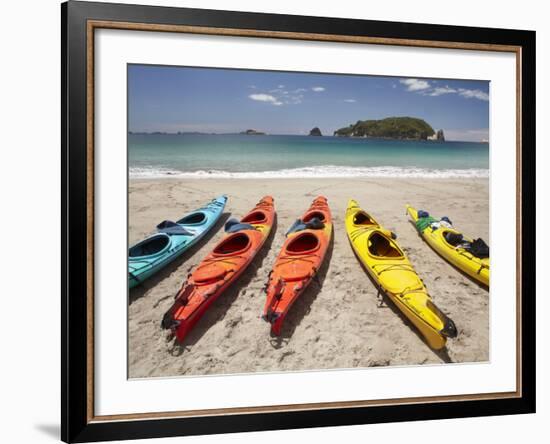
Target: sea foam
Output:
{"points": [[325, 171]]}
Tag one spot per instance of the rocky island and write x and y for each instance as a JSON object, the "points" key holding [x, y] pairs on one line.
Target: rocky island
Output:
{"points": [[439, 136], [252, 132], [315, 132], [406, 128]]}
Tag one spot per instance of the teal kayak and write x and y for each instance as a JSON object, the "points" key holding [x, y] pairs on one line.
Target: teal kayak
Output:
{"points": [[171, 239]]}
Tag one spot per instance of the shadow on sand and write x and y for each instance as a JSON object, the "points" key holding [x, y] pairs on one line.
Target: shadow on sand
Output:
{"points": [[137, 292], [442, 354], [216, 312], [302, 305]]}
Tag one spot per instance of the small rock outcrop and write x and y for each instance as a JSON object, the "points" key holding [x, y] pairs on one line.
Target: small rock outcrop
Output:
{"points": [[440, 135], [315, 132], [252, 132]]}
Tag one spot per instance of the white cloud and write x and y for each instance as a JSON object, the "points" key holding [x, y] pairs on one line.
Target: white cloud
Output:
{"points": [[252, 86], [280, 86], [423, 87], [266, 98], [278, 96], [473, 94], [317, 88], [293, 100], [440, 90], [350, 100], [415, 84]]}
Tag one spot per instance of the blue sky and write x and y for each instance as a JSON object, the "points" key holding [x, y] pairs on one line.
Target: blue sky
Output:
{"points": [[210, 100]]}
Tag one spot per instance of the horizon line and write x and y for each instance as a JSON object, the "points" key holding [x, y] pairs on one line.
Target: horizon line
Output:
{"points": [[239, 133]]}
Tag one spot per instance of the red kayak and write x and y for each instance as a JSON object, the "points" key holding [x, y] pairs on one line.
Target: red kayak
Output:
{"points": [[230, 257], [299, 260]]}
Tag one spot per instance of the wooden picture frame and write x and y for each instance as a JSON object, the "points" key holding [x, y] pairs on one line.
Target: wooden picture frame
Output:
{"points": [[79, 22]]}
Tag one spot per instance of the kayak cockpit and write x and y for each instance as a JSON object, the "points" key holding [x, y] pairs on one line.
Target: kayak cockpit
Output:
{"points": [[256, 217], [363, 219], [303, 244], [150, 246], [233, 245], [381, 246], [193, 219], [314, 215]]}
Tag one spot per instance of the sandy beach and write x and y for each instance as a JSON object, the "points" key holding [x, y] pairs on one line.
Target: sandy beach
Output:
{"points": [[342, 323]]}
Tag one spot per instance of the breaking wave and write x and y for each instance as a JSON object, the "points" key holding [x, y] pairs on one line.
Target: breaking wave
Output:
{"points": [[326, 171]]}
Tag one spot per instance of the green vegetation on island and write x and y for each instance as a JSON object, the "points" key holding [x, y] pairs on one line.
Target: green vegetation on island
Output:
{"points": [[392, 128]]}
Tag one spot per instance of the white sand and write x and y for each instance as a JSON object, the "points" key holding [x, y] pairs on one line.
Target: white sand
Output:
{"points": [[340, 324]]}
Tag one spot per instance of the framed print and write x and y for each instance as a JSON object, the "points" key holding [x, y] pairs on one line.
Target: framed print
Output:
{"points": [[276, 221]]}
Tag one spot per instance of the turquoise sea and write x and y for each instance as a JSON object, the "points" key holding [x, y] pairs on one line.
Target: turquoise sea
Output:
{"points": [[249, 156]]}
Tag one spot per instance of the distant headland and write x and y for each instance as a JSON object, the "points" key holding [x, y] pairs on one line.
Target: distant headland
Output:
{"points": [[405, 128], [248, 132], [252, 132]]}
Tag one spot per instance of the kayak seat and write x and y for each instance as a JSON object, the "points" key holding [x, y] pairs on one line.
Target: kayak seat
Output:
{"points": [[150, 246], [303, 244], [379, 245], [256, 217], [233, 245], [193, 219]]}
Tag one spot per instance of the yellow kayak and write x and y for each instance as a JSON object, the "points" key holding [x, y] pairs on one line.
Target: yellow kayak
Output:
{"points": [[459, 257], [388, 266]]}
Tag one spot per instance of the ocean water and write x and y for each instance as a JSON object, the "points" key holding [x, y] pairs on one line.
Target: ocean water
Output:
{"points": [[242, 156]]}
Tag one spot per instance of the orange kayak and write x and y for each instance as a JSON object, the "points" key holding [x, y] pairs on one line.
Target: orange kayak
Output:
{"points": [[230, 257], [298, 262]]}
